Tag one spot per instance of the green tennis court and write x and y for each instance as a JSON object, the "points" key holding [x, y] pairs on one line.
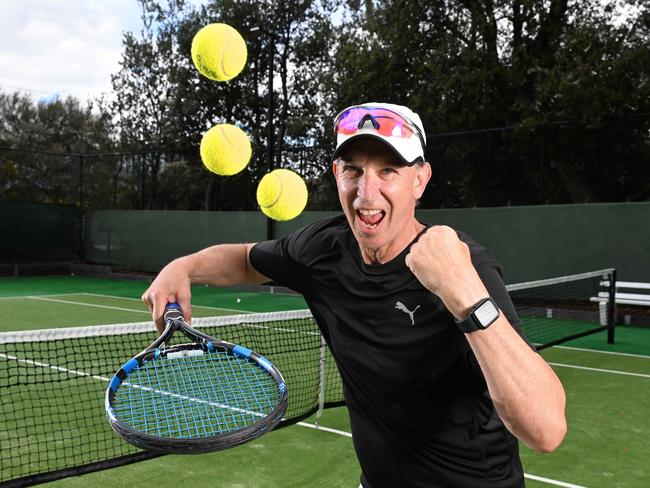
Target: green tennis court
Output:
{"points": [[608, 390]]}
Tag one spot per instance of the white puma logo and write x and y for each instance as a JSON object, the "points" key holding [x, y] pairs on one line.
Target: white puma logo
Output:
{"points": [[402, 307]]}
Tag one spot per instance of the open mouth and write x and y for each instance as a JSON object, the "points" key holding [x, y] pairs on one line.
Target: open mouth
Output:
{"points": [[370, 218]]}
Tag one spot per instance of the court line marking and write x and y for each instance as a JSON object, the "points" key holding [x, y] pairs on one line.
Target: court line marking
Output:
{"points": [[613, 353], [302, 424], [51, 366], [70, 302], [193, 306], [47, 295], [600, 370], [326, 429], [109, 307], [551, 482], [208, 307]]}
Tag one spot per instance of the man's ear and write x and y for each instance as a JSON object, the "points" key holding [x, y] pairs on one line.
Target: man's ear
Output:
{"points": [[422, 177]]}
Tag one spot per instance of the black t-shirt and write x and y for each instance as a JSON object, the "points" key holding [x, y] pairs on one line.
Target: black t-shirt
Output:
{"points": [[420, 412]]}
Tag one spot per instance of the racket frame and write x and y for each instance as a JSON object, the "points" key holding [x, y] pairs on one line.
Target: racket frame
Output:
{"points": [[174, 322]]}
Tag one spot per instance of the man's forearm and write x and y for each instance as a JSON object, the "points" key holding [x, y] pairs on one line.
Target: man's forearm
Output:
{"points": [[527, 394], [221, 265]]}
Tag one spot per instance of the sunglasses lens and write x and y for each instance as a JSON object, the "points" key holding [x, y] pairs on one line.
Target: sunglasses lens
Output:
{"points": [[349, 120], [394, 127]]}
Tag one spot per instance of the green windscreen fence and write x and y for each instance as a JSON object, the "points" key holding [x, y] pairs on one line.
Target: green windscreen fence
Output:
{"points": [[555, 240], [147, 240], [530, 242], [37, 232], [538, 242]]}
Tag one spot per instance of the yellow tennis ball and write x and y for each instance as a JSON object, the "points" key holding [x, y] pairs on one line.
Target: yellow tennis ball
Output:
{"points": [[225, 149], [219, 52], [282, 194]]}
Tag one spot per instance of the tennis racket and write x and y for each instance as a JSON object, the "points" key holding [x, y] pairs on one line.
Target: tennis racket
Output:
{"points": [[199, 397]]}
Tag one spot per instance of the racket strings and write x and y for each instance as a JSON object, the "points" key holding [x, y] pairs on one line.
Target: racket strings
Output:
{"points": [[196, 396]]}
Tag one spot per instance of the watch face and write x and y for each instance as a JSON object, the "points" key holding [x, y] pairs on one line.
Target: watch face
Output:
{"points": [[486, 313]]}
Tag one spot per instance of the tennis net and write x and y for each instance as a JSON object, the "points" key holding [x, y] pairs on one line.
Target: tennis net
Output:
{"points": [[560, 309], [52, 382], [52, 385]]}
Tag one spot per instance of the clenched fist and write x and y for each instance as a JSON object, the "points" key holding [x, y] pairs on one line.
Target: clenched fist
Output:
{"points": [[442, 263], [171, 285]]}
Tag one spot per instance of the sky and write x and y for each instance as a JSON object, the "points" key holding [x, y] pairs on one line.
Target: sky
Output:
{"points": [[54, 48]]}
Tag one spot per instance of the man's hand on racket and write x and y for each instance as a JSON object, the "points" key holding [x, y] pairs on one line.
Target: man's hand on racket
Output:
{"points": [[172, 285], [442, 263]]}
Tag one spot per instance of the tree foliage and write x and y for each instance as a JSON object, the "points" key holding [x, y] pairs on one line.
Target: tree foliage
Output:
{"points": [[163, 102], [568, 79], [51, 134]]}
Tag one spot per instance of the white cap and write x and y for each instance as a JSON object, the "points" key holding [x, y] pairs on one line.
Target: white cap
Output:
{"points": [[410, 150]]}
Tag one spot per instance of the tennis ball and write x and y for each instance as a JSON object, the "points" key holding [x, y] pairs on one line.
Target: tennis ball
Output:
{"points": [[282, 194], [225, 149], [219, 52]]}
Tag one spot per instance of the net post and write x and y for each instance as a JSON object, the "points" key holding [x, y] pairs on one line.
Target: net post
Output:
{"points": [[321, 381], [556, 310], [611, 308], [81, 251]]}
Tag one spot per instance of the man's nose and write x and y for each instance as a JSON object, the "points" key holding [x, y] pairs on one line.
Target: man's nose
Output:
{"points": [[369, 185]]}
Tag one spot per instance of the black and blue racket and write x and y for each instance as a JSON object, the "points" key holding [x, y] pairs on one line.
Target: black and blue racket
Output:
{"points": [[199, 397]]}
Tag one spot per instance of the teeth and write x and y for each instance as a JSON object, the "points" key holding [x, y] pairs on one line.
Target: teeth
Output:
{"points": [[370, 226], [364, 211]]}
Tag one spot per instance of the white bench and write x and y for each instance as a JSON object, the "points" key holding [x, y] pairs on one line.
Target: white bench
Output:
{"points": [[624, 298], [621, 298]]}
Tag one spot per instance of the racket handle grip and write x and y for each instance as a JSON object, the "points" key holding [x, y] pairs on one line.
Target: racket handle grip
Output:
{"points": [[172, 312]]}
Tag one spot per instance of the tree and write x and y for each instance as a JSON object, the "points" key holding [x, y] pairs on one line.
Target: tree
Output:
{"points": [[46, 138], [566, 80], [164, 104]]}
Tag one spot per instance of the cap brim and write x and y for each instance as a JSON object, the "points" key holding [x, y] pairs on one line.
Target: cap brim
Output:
{"points": [[347, 143]]}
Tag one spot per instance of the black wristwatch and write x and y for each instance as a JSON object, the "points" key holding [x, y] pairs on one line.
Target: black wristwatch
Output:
{"points": [[483, 314]]}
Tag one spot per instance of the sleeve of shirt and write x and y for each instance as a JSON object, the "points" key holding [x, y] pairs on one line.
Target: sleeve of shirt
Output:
{"points": [[280, 259]]}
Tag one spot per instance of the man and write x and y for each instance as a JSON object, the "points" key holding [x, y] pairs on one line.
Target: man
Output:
{"points": [[438, 379]]}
